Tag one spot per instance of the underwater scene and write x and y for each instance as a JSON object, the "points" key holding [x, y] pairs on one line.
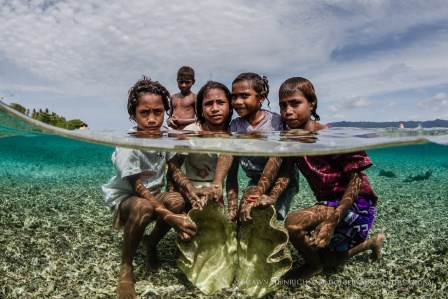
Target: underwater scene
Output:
{"points": [[57, 240]]}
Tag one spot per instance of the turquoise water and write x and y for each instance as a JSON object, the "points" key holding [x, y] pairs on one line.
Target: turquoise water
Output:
{"points": [[56, 239]]}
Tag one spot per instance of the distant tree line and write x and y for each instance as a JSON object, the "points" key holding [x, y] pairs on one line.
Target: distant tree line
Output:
{"points": [[438, 123], [48, 117]]}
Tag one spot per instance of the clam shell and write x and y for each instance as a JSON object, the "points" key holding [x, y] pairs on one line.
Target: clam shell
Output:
{"points": [[209, 259]]}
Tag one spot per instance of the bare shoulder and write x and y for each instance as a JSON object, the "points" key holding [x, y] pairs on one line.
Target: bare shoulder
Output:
{"points": [[176, 96], [191, 97]]}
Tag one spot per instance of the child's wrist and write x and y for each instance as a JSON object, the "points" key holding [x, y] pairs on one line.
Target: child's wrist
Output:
{"points": [[250, 198]]}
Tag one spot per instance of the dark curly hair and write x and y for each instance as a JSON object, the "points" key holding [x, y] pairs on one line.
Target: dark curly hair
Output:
{"points": [[305, 87], [259, 83], [203, 92], [146, 86], [185, 72]]}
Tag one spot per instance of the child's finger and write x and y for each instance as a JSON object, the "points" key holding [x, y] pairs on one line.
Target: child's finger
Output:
{"points": [[184, 236]]}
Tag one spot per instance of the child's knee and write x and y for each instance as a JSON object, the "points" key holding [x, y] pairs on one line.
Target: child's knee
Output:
{"points": [[292, 222], [174, 202], [295, 228], [142, 213]]}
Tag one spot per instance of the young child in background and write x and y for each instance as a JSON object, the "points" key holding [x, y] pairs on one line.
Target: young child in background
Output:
{"points": [[335, 229], [183, 104], [135, 193], [214, 115], [249, 90]]}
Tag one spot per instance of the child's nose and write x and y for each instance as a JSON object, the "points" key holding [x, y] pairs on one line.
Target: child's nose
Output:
{"points": [[237, 100], [151, 119], [289, 110]]}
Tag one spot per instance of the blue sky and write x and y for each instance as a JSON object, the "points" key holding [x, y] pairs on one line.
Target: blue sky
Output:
{"points": [[368, 60]]}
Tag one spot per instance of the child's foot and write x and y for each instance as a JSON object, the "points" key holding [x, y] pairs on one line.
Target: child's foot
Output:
{"points": [[152, 259], [376, 254], [125, 287], [296, 275]]}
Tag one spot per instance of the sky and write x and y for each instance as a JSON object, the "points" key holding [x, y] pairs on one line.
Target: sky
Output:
{"points": [[369, 60]]}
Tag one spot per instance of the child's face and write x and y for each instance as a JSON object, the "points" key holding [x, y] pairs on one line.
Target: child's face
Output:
{"points": [[244, 99], [185, 84], [215, 107], [149, 113], [296, 111]]}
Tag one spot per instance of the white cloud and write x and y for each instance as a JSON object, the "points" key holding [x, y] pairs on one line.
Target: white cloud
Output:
{"points": [[350, 104], [82, 52], [438, 101]]}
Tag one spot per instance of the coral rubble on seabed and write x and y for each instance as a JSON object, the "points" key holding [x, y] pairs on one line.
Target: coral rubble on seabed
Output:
{"points": [[56, 241]]}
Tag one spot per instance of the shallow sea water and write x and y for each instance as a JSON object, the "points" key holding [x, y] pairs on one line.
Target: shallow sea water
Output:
{"points": [[56, 238]]}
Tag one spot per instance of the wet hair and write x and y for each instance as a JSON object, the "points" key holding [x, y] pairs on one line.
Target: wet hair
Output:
{"points": [[201, 96], [146, 86], [185, 72], [305, 87], [259, 83]]}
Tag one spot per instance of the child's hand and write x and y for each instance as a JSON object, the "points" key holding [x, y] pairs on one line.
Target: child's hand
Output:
{"points": [[199, 196], [264, 201], [198, 203], [250, 199], [182, 225], [322, 234], [206, 192], [233, 212], [246, 208], [172, 122], [217, 192]]}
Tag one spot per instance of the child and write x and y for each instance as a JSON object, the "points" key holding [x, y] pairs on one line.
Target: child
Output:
{"points": [[214, 115], [336, 228], [134, 194], [183, 104], [249, 90]]}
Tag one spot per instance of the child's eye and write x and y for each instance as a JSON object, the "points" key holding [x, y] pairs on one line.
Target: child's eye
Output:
{"points": [[294, 103]]}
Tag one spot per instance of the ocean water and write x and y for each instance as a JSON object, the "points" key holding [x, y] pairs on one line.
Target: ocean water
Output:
{"points": [[56, 238]]}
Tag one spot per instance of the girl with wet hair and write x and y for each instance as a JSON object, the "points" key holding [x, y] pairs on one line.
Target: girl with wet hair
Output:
{"points": [[202, 95], [304, 86], [135, 195], [336, 227], [214, 115], [249, 90]]}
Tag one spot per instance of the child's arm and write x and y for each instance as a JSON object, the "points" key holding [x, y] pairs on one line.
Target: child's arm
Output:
{"points": [[180, 222], [222, 168], [232, 190], [270, 172], [184, 121], [252, 196], [323, 233], [195, 196], [285, 174], [172, 119]]}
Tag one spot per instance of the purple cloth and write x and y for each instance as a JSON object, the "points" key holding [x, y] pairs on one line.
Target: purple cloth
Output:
{"points": [[355, 225]]}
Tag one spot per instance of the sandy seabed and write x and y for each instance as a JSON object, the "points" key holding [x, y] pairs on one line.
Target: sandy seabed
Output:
{"points": [[56, 239]]}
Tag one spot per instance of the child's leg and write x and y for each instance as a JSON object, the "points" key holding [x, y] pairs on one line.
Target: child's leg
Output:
{"points": [[333, 259], [136, 213], [173, 202], [299, 224]]}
